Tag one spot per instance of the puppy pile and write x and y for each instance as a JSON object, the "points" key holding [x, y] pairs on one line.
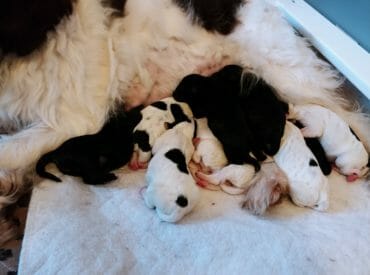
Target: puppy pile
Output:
{"points": [[229, 132]]}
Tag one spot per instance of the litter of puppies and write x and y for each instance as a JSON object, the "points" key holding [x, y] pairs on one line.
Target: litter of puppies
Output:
{"points": [[229, 132]]}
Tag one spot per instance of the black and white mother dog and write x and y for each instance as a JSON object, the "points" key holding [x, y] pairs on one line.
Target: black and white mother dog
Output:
{"points": [[61, 74]]}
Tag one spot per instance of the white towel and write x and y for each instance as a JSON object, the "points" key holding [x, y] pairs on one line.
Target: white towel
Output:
{"points": [[78, 229]]}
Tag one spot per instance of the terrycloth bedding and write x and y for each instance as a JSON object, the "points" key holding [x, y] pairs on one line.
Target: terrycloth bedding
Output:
{"points": [[78, 229]]}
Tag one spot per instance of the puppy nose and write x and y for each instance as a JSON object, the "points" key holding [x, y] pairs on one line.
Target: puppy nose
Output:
{"points": [[182, 201]]}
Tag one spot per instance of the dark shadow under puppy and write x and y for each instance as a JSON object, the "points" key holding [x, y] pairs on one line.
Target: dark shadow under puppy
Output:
{"points": [[93, 157], [210, 97]]}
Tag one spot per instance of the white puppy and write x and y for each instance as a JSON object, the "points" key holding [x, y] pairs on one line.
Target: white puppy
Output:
{"points": [[307, 184], [209, 152], [336, 137], [156, 118], [171, 190]]}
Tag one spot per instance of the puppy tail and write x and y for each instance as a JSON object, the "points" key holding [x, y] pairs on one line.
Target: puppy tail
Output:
{"points": [[41, 164]]}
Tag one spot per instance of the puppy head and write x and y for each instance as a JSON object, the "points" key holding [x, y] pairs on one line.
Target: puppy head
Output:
{"points": [[311, 188], [172, 198], [195, 90], [353, 163], [229, 76]]}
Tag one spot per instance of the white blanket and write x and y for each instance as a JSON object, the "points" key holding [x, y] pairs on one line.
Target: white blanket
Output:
{"points": [[78, 229]]}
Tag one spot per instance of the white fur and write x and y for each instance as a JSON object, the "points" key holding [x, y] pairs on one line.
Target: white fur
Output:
{"points": [[154, 122], [307, 184], [55, 93], [165, 181], [209, 151], [266, 188], [233, 178], [335, 136]]}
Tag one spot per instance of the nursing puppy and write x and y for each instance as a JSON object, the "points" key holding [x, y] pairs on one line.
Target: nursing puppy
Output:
{"points": [[308, 187], [93, 157], [155, 120], [336, 137], [171, 190], [208, 97]]}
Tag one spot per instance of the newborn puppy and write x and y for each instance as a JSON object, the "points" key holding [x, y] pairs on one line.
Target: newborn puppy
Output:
{"points": [[171, 188], [155, 120], [335, 136], [266, 188], [209, 97], [93, 157], [307, 185], [209, 152]]}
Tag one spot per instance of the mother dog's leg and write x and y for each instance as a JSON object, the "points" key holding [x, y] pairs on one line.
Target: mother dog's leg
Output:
{"points": [[270, 47]]}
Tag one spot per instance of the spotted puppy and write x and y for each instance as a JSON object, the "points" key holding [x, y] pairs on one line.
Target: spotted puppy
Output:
{"points": [[339, 142], [171, 189], [155, 120], [308, 187]]}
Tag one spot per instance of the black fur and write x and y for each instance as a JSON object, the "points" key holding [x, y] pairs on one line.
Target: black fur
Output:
{"points": [[141, 138], [264, 113], [160, 105], [182, 201], [353, 133], [318, 151], [210, 97], [178, 157], [313, 162], [93, 157], [213, 15], [24, 24], [178, 114], [117, 5]]}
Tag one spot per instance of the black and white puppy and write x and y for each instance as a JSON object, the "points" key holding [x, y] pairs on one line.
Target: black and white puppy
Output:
{"points": [[93, 157], [209, 97], [155, 119], [172, 190]]}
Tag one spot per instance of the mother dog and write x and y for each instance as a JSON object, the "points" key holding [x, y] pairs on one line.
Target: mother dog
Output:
{"points": [[65, 63]]}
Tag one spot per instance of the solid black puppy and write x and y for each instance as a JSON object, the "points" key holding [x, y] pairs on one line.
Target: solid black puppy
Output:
{"points": [[209, 97], [93, 157]]}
